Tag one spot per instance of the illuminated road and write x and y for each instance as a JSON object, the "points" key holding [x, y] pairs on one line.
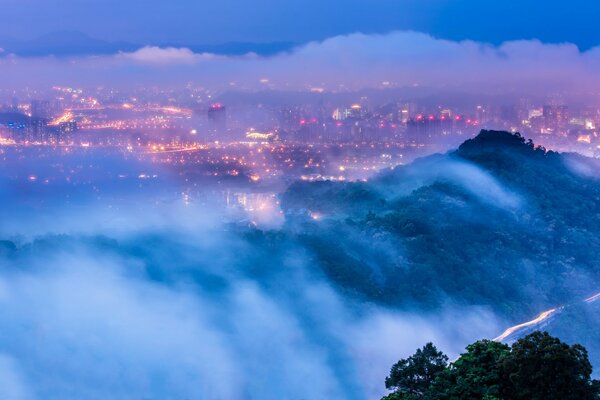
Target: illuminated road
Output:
{"points": [[181, 150], [540, 319], [593, 298], [67, 116]]}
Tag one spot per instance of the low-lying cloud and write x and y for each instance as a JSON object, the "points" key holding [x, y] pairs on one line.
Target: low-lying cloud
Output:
{"points": [[344, 62], [168, 55], [171, 312], [468, 176]]}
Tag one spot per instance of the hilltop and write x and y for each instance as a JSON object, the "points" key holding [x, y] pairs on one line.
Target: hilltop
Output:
{"points": [[498, 222]]}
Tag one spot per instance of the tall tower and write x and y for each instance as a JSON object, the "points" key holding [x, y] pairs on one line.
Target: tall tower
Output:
{"points": [[40, 109], [217, 120]]}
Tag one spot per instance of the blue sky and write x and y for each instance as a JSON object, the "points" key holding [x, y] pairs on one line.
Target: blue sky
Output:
{"points": [[507, 46], [188, 22]]}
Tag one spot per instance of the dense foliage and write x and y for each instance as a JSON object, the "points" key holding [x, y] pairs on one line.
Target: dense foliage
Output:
{"points": [[413, 376], [498, 222], [536, 367], [579, 323]]}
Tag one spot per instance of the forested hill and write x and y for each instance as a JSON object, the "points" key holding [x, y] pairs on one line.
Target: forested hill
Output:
{"points": [[497, 222]]}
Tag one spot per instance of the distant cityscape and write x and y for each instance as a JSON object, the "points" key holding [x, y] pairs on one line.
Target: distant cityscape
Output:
{"points": [[254, 141]]}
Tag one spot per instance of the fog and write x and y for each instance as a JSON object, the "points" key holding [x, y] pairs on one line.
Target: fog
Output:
{"points": [[125, 289], [583, 166], [425, 171], [182, 304], [349, 62]]}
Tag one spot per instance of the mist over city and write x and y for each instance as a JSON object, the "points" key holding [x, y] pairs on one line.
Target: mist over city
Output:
{"points": [[265, 200]]}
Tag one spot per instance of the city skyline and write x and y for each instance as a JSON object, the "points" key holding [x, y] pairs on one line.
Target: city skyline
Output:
{"points": [[282, 199]]}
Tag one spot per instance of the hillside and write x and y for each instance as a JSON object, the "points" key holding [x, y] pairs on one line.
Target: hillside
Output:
{"points": [[498, 222], [451, 248]]}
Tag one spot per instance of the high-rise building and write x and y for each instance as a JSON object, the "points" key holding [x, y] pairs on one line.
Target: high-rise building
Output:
{"points": [[41, 109], [217, 119], [556, 117], [422, 128], [509, 114], [340, 114], [356, 111]]}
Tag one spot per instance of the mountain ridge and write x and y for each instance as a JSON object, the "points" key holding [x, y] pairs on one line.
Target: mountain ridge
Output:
{"points": [[76, 43], [498, 222]]}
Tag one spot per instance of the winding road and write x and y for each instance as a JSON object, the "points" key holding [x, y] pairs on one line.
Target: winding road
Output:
{"points": [[541, 320]]}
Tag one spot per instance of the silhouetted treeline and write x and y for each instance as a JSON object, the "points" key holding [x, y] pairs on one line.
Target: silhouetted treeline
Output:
{"points": [[536, 367]]}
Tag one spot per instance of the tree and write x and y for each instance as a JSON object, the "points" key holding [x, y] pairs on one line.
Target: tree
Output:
{"points": [[536, 367], [475, 375], [411, 378], [541, 367]]}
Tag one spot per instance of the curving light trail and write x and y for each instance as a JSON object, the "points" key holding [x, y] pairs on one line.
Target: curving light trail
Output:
{"points": [[544, 316], [592, 298]]}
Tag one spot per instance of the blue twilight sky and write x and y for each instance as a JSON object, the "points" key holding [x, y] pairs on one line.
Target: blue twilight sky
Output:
{"points": [[189, 22]]}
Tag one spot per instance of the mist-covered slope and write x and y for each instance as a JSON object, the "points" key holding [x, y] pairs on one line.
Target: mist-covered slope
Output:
{"points": [[167, 301], [498, 222], [196, 313]]}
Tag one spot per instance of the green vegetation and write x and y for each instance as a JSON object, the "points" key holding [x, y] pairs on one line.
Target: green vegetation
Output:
{"points": [[536, 367], [499, 222], [412, 377], [579, 324]]}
